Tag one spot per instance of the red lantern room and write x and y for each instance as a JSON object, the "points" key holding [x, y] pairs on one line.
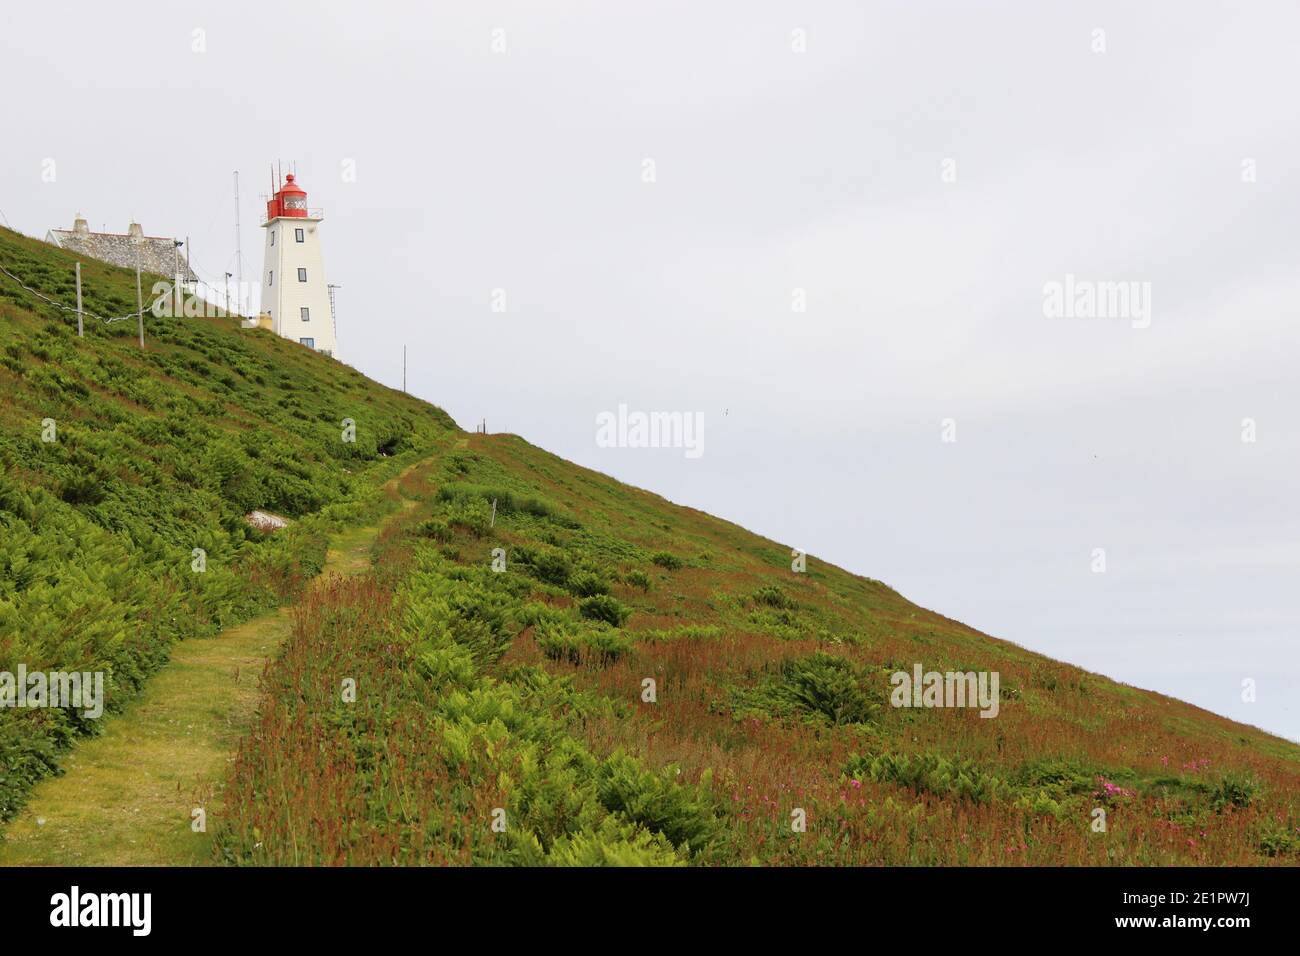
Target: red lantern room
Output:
{"points": [[291, 200]]}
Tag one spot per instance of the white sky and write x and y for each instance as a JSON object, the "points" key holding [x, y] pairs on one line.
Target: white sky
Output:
{"points": [[776, 170]]}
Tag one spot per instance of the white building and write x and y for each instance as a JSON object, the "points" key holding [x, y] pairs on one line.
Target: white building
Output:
{"points": [[294, 291]]}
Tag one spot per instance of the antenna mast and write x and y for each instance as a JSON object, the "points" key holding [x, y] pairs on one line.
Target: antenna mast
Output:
{"points": [[335, 323]]}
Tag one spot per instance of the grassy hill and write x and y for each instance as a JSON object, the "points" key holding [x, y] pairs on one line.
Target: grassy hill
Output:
{"points": [[543, 666], [158, 453]]}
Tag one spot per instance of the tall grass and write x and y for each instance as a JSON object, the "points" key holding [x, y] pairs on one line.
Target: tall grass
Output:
{"points": [[490, 691]]}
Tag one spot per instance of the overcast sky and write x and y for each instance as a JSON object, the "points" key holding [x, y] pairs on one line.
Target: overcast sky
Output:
{"points": [[921, 171]]}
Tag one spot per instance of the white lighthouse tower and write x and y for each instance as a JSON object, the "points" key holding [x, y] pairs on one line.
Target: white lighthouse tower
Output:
{"points": [[294, 291]]}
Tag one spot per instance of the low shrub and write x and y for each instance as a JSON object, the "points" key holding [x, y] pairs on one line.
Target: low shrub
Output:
{"points": [[772, 596], [1278, 838], [472, 515], [1056, 777], [588, 584], [827, 685], [581, 643], [642, 849], [82, 490], [932, 773], [472, 610], [1234, 790], [507, 502], [820, 687], [684, 815], [603, 607], [549, 567], [534, 613], [436, 528]]}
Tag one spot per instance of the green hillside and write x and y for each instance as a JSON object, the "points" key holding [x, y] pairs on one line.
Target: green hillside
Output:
{"points": [[157, 453], [542, 665]]}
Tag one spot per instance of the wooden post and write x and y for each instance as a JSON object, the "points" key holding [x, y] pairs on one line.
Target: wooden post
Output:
{"points": [[80, 329], [139, 303]]}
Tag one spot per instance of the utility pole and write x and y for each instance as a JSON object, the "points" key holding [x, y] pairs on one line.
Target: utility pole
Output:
{"points": [[403, 369], [80, 330], [239, 255], [139, 301], [227, 294], [176, 250]]}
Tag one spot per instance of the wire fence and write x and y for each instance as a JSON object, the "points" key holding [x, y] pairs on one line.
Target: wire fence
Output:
{"points": [[86, 312]]}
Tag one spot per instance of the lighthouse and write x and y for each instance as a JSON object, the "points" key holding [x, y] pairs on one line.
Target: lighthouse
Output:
{"points": [[294, 292]]}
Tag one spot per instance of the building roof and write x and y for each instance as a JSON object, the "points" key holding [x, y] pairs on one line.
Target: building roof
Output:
{"points": [[154, 254]]}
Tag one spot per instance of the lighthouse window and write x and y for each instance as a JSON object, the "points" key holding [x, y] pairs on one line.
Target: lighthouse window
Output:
{"points": [[297, 234], [302, 275], [272, 237], [306, 314], [310, 343], [270, 277]]}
